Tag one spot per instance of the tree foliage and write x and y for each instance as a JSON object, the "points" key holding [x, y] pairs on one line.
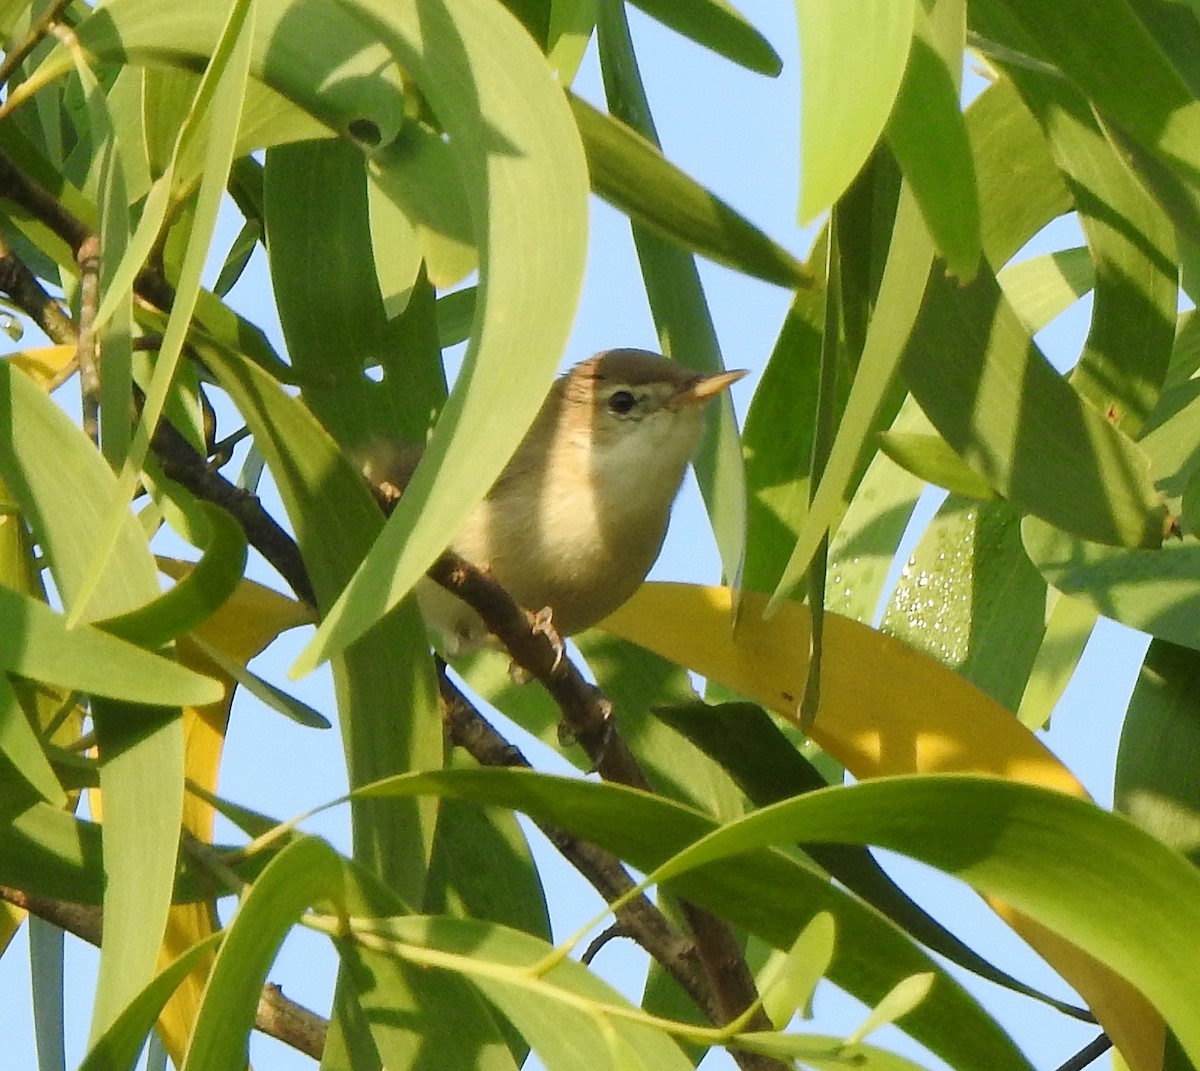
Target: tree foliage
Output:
{"points": [[418, 173]]}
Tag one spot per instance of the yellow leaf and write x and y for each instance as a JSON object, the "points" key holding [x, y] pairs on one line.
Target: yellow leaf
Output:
{"points": [[884, 709], [241, 628]]}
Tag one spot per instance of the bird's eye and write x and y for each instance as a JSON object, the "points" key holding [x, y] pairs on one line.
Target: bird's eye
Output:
{"points": [[621, 402]]}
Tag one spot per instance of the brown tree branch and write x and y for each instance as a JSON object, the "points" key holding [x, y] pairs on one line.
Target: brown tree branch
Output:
{"points": [[88, 352], [639, 919], [16, 55], [22, 286], [588, 715], [277, 1016]]}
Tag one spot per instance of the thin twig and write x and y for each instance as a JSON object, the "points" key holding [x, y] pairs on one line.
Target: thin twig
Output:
{"points": [[88, 353], [40, 27], [277, 1016], [20, 284], [1091, 1052], [588, 715], [640, 919]]}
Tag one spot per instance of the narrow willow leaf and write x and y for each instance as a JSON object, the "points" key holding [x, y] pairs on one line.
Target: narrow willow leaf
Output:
{"points": [[969, 597], [561, 1011], [680, 308], [120, 1045], [531, 198], [777, 442], [199, 594], [900, 292], [1068, 630], [768, 768], [1132, 245], [1154, 591], [1135, 84], [1047, 854], [995, 399], [37, 643], [929, 137], [629, 173], [401, 1005], [788, 981], [335, 519], [22, 749], [303, 873], [1042, 287], [930, 458], [1154, 782], [899, 1002], [1020, 188], [759, 893], [46, 984], [274, 698], [825, 1052], [717, 26], [838, 130], [65, 490]]}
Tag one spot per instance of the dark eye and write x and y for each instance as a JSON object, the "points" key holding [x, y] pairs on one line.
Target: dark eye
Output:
{"points": [[621, 402]]}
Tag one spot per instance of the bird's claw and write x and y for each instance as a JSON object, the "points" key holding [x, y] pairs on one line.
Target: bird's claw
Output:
{"points": [[543, 624]]}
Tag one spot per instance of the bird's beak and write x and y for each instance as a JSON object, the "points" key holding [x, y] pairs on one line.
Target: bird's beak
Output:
{"points": [[706, 388]]}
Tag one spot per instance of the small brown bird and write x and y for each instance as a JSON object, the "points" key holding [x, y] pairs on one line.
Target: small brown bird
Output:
{"points": [[578, 516]]}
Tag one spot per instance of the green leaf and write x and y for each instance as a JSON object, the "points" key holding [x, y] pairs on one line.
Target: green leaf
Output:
{"points": [[679, 306], [1020, 188], [274, 698], [1042, 287], [969, 598], [194, 598], [788, 981], [929, 457], [563, 1011], [929, 137], [908, 261], [1154, 591], [629, 173], [303, 873], [1108, 53], [1132, 245], [1047, 854], [526, 184], [758, 893], [777, 442], [899, 1002], [335, 519], [768, 768], [120, 1045], [20, 746], [1068, 629], [718, 27], [37, 643], [1155, 780], [838, 130], [987, 388]]}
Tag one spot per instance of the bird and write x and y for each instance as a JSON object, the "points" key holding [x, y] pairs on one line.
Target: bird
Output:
{"points": [[578, 516]]}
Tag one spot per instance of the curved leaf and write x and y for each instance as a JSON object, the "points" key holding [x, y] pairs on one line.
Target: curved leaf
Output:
{"points": [[986, 387], [633, 176], [1046, 853], [839, 129], [526, 183], [1155, 591], [718, 27]]}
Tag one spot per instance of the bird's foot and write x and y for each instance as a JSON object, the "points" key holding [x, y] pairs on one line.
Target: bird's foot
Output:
{"points": [[543, 624]]}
